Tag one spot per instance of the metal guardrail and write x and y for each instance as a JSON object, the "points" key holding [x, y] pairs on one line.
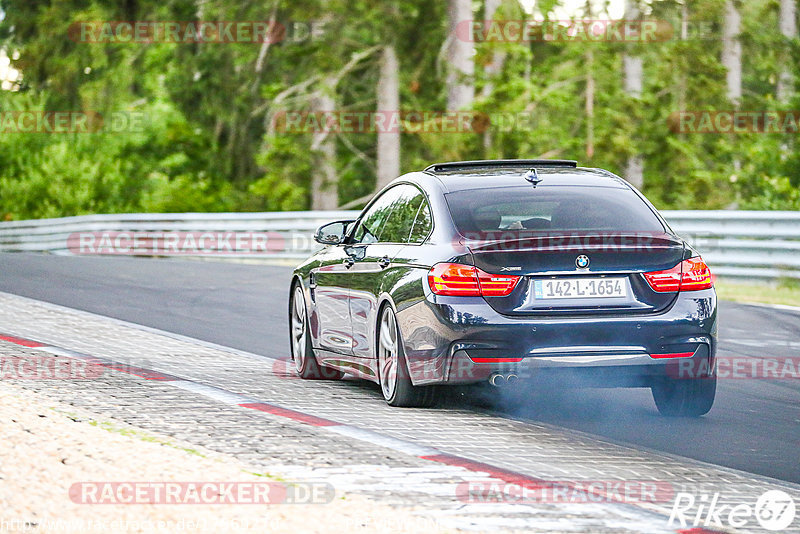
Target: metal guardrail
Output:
{"points": [[260, 235], [742, 244]]}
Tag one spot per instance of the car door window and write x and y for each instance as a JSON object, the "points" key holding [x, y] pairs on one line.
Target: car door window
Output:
{"points": [[372, 222], [401, 215]]}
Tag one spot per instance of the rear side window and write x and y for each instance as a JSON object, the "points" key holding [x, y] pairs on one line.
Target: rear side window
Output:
{"points": [[551, 209], [400, 225], [423, 223]]}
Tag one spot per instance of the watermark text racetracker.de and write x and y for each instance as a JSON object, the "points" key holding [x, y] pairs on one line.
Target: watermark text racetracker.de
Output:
{"points": [[564, 31], [572, 491], [206, 31], [522, 239], [382, 121], [173, 243], [63, 367], [734, 122], [71, 122], [582, 30], [200, 492], [736, 367], [48, 367]]}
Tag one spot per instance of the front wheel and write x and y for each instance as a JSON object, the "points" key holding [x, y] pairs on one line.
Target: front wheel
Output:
{"points": [[690, 397], [393, 372], [302, 350]]}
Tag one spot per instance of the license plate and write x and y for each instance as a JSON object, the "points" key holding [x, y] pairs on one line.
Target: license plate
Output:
{"points": [[580, 288]]}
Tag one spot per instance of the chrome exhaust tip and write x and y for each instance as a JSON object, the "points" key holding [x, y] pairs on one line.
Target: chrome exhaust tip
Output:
{"points": [[497, 380], [510, 379]]}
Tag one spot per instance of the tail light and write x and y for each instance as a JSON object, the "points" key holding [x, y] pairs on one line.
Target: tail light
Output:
{"points": [[454, 279], [689, 275], [493, 285], [695, 275]]}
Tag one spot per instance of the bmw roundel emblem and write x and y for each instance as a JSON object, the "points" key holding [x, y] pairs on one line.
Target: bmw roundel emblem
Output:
{"points": [[582, 261]]}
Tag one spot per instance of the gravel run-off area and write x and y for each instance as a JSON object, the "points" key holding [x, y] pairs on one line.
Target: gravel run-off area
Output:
{"points": [[48, 447]]}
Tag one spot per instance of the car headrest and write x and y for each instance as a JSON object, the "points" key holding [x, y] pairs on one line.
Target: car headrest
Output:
{"points": [[487, 219]]}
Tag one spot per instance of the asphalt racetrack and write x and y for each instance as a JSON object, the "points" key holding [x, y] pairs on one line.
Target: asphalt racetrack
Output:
{"points": [[754, 425]]}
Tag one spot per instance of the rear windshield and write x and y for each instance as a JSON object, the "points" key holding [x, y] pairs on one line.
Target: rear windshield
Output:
{"points": [[551, 209]]}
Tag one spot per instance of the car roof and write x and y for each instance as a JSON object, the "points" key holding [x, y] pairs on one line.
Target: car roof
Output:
{"points": [[489, 178]]}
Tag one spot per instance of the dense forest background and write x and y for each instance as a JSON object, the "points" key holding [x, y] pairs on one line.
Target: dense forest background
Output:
{"points": [[209, 141]]}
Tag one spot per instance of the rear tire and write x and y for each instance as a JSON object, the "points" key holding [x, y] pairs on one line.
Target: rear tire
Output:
{"points": [[691, 397], [393, 375], [300, 342]]}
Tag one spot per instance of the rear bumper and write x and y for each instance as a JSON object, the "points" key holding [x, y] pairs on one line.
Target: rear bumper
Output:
{"points": [[456, 340]]}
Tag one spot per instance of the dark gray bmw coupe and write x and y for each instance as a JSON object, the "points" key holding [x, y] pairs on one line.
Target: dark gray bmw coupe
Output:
{"points": [[493, 271]]}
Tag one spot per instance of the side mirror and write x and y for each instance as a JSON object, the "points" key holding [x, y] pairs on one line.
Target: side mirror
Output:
{"points": [[332, 233]]}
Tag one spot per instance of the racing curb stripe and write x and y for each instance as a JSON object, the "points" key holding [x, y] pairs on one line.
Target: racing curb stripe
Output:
{"points": [[312, 420], [20, 341], [406, 447], [499, 473], [138, 371]]}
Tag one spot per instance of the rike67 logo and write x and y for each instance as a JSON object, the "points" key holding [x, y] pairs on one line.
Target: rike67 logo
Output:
{"points": [[774, 510]]}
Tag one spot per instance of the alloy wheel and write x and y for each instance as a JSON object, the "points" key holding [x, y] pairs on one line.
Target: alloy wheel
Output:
{"points": [[298, 329], [388, 353]]}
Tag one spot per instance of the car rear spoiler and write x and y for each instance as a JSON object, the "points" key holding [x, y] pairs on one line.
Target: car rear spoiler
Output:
{"points": [[455, 166]]}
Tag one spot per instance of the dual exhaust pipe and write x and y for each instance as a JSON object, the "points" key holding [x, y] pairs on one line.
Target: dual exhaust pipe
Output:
{"points": [[500, 380]]}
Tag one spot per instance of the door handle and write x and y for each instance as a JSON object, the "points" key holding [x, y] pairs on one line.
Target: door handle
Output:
{"points": [[348, 262], [384, 262]]}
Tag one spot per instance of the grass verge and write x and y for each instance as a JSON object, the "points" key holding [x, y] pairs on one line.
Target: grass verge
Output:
{"points": [[785, 292]]}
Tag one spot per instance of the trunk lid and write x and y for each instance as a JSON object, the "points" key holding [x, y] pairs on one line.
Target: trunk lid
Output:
{"points": [[554, 280]]}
